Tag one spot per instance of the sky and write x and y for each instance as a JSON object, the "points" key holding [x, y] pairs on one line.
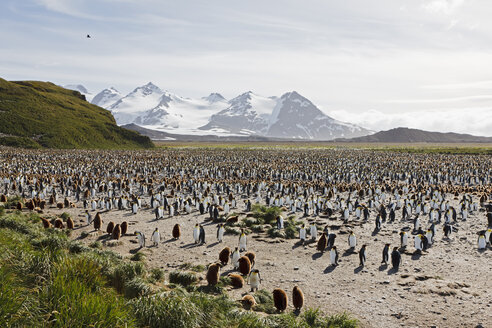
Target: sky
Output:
{"points": [[380, 64]]}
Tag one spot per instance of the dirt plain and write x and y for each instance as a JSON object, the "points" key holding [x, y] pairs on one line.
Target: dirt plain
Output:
{"points": [[447, 286]]}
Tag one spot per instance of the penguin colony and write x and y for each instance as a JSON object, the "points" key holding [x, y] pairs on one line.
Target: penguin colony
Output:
{"points": [[330, 196]]}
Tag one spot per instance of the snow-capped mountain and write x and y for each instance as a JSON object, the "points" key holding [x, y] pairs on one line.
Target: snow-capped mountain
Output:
{"points": [[297, 117], [214, 97], [132, 106], [80, 88], [249, 114], [107, 97], [246, 114]]}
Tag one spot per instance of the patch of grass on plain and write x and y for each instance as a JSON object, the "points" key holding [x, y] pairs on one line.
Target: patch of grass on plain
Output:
{"points": [[232, 231], [193, 267], [96, 244], [264, 302], [156, 274], [341, 320], [136, 288], [183, 278], [264, 214], [138, 256]]}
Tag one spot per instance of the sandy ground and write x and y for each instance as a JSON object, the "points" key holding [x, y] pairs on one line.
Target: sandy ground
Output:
{"points": [[448, 286]]}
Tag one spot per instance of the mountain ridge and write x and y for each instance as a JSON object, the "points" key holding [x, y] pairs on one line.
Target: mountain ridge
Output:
{"points": [[409, 135], [248, 114]]}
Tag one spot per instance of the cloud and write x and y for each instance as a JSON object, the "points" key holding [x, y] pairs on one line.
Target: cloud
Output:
{"points": [[476, 121], [443, 6], [473, 98]]}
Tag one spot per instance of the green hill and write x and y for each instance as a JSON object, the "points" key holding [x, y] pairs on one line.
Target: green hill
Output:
{"points": [[42, 115]]}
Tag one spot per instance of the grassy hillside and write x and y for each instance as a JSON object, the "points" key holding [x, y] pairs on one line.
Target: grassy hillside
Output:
{"points": [[41, 114], [46, 280]]}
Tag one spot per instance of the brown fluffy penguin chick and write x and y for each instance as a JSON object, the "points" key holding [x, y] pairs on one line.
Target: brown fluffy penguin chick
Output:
{"points": [[252, 257], [97, 222], [297, 298], [19, 206], [322, 243], [59, 223], [116, 233], [46, 223], [110, 227], [224, 255], [244, 265], [248, 302], [236, 280], [124, 228], [70, 223], [213, 274], [3, 198], [280, 299], [176, 231], [59, 206]]}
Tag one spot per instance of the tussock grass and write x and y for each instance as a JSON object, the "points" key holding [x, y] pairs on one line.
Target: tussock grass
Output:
{"points": [[265, 214], [139, 256], [136, 288], [182, 278], [76, 247], [124, 272], [264, 302], [193, 267], [157, 275]]}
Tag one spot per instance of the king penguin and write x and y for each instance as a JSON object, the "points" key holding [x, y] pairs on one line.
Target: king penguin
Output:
{"points": [[88, 217], [482, 241], [235, 256], [447, 229], [202, 235], [385, 254], [220, 232], [156, 237], [141, 238], [419, 242], [395, 258], [302, 234], [352, 240], [334, 256], [280, 222], [196, 233], [254, 279], [313, 231], [362, 255], [403, 239], [242, 241]]}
